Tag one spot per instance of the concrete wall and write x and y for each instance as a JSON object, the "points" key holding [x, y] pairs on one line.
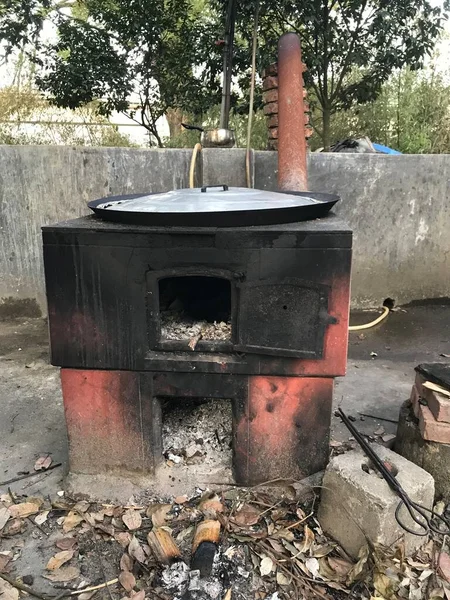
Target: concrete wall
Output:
{"points": [[397, 206]]}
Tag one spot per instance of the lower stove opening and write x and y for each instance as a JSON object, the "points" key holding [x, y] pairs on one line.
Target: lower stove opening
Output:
{"points": [[197, 438], [195, 308]]}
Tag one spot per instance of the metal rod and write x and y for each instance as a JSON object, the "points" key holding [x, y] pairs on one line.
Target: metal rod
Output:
{"points": [[292, 167]]}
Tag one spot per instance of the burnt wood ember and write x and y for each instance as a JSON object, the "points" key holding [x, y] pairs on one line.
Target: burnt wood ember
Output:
{"points": [[257, 315]]}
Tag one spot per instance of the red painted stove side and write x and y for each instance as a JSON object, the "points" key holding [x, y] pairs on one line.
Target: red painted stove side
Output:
{"points": [[109, 421], [284, 429]]}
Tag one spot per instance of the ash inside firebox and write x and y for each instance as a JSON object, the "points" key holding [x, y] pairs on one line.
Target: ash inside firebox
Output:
{"points": [[178, 326], [195, 308], [197, 432]]}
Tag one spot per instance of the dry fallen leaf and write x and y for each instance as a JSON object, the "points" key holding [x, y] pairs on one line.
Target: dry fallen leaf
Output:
{"points": [[266, 566], [313, 566], [71, 521], [126, 563], [42, 517], [283, 579], [181, 499], [4, 516], [211, 506], [123, 538], [65, 543], [7, 591], [444, 565], [340, 566], [132, 519], [159, 513], [43, 463], [5, 559], [247, 516], [59, 559], [135, 550], [81, 507], [138, 595], [228, 595], [63, 574], [127, 580], [384, 585], [25, 509], [13, 527], [308, 541], [108, 529]]}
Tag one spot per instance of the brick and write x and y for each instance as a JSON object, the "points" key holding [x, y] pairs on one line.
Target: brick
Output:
{"points": [[432, 430], [271, 108], [270, 70], [273, 133], [431, 456], [270, 83], [270, 96], [356, 505], [439, 405], [272, 121]]}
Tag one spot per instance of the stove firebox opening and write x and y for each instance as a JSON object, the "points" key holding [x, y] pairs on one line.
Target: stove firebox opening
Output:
{"points": [[197, 437], [195, 308]]}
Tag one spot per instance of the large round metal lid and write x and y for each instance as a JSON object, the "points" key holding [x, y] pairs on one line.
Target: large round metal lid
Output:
{"points": [[214, 206]]}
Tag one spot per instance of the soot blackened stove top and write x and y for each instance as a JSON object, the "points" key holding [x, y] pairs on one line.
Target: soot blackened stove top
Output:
{"points": [[140, 313]]}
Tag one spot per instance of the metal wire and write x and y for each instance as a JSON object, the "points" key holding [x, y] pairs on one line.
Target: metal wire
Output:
{"points": [[418, 513]]}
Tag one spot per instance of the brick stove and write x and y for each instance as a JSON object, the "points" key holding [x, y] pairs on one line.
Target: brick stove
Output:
{"points": [[281, 290], [286, 291]]}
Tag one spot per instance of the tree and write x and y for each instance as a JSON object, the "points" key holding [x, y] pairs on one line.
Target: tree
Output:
{"points": [[139, 57], [375, 36], [411, 114]]}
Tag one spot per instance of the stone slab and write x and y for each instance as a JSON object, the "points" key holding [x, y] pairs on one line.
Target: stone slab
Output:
{"points": [[357, 506]]}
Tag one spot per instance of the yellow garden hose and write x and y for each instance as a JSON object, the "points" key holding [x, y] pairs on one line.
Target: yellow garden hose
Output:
{"points": [[372, 323], [197, 149]]}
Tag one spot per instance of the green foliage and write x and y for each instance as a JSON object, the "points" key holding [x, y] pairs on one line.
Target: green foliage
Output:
{"points": [[375, 36], [27, 118], [144, 57], [411, 114]]}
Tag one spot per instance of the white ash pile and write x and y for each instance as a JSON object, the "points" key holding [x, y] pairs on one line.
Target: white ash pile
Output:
{"points": [[197, 431], [177, 326], [229, 571]]}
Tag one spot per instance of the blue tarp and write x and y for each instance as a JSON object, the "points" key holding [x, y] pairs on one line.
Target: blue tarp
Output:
{"points": [[384, 149]]}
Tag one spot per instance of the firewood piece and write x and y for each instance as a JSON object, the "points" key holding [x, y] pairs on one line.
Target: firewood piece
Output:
{"points": [[204, 547], [163, 546], [203, 559], [207, 531]]}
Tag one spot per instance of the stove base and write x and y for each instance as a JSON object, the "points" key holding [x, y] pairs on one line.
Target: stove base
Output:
{"points": [[281, 425]]}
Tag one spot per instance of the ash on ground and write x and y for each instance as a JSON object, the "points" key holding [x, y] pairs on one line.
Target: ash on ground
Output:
{"points": [[197, 431], [229, 571], [177, 326]]}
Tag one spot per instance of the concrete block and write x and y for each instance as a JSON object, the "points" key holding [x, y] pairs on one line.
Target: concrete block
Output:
{"points": [[432, 430], [357, 506], [431, 456]]}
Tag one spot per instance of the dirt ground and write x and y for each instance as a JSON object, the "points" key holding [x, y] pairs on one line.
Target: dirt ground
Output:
{"points": [[380, 375]]}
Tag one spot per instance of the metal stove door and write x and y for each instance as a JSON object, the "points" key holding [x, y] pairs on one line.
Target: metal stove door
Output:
{"points": [[283, 318]]}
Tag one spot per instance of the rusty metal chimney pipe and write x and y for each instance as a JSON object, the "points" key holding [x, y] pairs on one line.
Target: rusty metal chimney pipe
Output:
{"points": [[292, 166]]}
